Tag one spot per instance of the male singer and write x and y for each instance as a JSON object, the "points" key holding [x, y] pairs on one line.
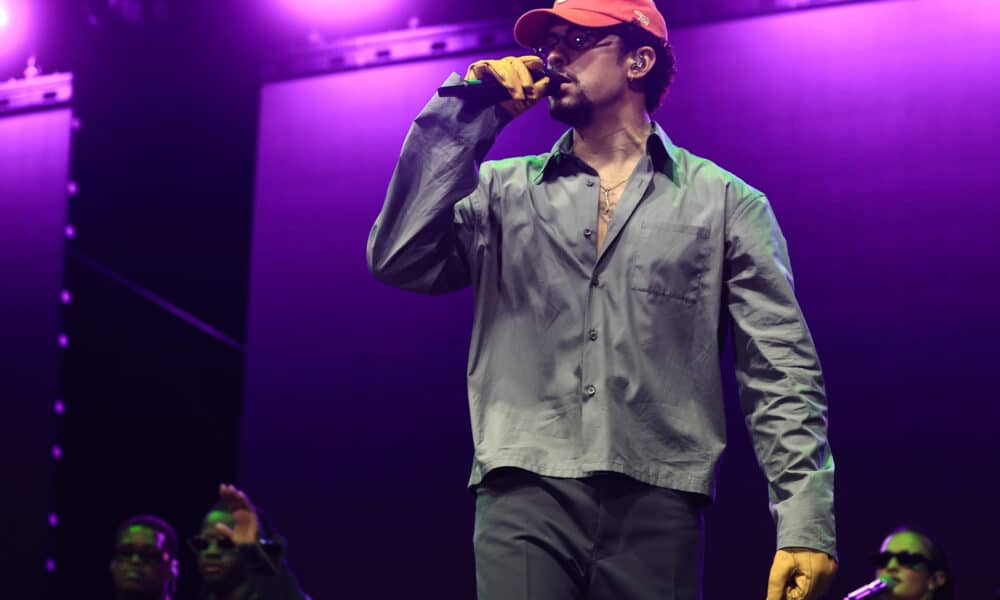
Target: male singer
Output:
{"points": [[607, 273]]}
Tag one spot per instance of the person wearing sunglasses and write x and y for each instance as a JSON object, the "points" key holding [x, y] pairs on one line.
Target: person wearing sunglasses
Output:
{"points": [[916, 564], [607, 274], [238, 557], [144, 561]]}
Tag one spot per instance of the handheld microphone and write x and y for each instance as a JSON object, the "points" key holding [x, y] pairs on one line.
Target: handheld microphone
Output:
{"points": [[870, 590], [489, 91]]}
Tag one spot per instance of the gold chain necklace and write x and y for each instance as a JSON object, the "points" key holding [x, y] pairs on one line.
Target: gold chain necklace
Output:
{"points": [[604, 206]]}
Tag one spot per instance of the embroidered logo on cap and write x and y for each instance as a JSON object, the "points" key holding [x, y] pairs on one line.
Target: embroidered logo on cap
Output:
{"points": [[638, 15]]}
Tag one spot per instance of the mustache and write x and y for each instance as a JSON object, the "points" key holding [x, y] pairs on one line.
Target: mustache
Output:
{"points": [[557, 78]]}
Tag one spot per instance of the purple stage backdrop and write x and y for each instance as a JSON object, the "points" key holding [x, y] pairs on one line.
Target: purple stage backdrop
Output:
{"points": [[34, 165], [872, 127]]}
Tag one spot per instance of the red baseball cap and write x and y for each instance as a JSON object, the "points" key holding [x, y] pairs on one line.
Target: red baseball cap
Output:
{"points": [[531, 27]]}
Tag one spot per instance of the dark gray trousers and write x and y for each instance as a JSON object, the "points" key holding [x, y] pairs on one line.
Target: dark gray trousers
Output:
{"points": [[598, 538]]}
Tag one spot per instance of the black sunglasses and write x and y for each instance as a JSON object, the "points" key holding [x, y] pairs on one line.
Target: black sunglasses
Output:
{"points": [[148, 555], [575, 38], [200, 544], [906, 559]]}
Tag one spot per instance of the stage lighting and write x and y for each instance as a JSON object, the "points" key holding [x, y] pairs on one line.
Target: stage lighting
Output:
{"points": [[327, 12], [15, 34]]}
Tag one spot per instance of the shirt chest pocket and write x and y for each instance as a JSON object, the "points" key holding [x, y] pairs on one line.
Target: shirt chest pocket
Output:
{"points": [[669, 261]]}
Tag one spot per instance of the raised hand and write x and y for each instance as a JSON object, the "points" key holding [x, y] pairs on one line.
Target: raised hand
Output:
{"points": [[246, 526]]}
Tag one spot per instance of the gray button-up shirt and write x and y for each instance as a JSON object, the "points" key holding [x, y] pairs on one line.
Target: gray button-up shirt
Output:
{"points": [[587, 359]]}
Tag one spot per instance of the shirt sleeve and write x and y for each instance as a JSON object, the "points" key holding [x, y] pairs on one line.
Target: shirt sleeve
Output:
{"points": [[436, 201], [781, 384]]}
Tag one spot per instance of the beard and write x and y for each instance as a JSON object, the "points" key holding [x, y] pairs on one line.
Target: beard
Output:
{"points": [[577, 112]]}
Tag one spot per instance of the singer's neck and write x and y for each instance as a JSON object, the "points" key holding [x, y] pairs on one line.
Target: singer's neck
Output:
{"points": [[613, 143]]}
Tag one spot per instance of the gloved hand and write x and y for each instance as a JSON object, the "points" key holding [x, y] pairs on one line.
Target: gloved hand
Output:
{"points": [[514, 73], [800, 574]]}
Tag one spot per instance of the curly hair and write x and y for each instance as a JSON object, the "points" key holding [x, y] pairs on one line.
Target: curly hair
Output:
{"points": [[657, 81]]}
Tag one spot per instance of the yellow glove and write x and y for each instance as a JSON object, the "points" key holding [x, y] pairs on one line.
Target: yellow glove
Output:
{"points": [[514, 73], [800, 574]]}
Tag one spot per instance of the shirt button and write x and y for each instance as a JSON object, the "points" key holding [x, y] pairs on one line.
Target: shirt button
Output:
{"points": [[587, 233], [591, 390], [592, 334]]}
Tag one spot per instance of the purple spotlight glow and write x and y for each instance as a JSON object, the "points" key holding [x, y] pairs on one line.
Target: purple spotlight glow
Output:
{"points": [[50, 565], [15, 33], [65, 297], [57, 452], [346, 12], [70, 232], [53, 519], [63, 340], [59, 407]]}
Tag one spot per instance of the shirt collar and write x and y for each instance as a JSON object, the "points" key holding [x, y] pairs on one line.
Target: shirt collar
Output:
{"points": [[658, 145], [561, 151]]}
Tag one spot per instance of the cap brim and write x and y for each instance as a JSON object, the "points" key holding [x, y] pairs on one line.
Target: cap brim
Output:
{"points": [[530, 29]]}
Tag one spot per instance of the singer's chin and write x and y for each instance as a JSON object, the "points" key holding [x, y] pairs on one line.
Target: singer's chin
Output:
{"points": [[573, 111]]}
